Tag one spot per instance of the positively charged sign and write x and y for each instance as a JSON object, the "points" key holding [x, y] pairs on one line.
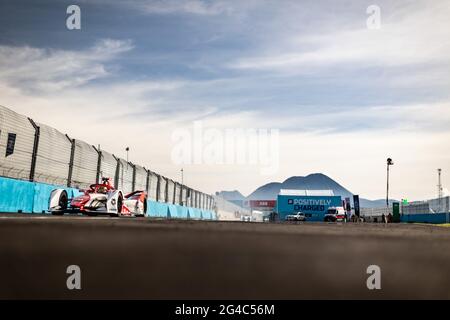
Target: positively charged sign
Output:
{"points": [[310, 204]]}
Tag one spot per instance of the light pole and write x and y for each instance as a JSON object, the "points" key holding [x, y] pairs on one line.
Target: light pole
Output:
{"points": [[182, 186], [127, 149], [439, 189], [389, 163]]}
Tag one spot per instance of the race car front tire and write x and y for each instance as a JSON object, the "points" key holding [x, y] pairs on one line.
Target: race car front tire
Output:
{"points": [[62, 204], [119, 207]]}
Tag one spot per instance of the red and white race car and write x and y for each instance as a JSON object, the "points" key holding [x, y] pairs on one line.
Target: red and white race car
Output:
{"points": [[100, 199]]}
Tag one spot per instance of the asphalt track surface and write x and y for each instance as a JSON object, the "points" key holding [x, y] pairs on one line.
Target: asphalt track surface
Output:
{"points": [[154, 259]]}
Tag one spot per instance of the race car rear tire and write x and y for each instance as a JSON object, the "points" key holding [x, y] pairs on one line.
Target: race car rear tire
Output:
{"points": [[145, 209], [62, 203]]}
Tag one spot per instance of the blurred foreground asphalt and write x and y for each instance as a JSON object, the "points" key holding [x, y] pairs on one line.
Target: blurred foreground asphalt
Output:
{"points": [[156, 259]]}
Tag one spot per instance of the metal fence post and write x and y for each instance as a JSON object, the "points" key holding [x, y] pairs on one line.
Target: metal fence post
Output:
{"points": [[72, 156], [37, 134], [174, 201], [116, 178], [194, 195], [195, 199], [158, 186], [99, 163], [166, 191], [147, 182], [181, 195], [133, 183]]}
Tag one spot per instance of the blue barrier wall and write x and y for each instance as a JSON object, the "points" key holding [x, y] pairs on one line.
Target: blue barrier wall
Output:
{"points": [[27, 197], [182, 212], [425, 218], [174, 211], [157, 209], [206, 215], [15, 195], [194, 213], [33, 197]]}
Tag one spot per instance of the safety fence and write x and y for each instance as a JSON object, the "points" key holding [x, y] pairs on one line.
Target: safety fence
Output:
{"points": [[35, 152], [427, 206], [375, 212], [415, 213]]}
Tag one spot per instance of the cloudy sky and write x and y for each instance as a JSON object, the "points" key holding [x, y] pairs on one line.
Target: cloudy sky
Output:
{"points": [[343, 97]]}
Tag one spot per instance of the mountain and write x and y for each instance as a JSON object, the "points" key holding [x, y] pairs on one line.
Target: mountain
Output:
{"points": [[315, 181], [234, 197], [266, 192], [230, 195]]}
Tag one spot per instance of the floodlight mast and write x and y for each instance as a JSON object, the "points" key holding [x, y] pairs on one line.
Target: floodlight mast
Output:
{"points": [[440, 189], [389, 163]]}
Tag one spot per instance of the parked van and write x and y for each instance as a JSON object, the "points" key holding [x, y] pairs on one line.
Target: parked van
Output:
{"points": [[336, 214]]}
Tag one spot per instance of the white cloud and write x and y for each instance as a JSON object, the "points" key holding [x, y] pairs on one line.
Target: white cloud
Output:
{"points": [[433, 117], [197, 7], [409, 35], [51, 70]]}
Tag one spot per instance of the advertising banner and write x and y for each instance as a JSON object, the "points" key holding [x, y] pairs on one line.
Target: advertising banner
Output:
{"points": [[356, 205], [269, 204]]}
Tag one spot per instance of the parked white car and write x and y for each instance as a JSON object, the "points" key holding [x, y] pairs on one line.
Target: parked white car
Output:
{"points": [[299, 216]]}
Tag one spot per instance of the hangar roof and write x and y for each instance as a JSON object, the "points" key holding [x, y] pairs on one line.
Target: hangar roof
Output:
{"points": [[293, 192]]}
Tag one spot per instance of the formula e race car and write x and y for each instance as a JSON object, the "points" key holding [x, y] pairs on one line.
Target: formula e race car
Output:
{"points": [[100, 199]]}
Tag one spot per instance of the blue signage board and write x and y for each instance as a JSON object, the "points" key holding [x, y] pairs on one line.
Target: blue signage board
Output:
{"points": [[315, 207]]}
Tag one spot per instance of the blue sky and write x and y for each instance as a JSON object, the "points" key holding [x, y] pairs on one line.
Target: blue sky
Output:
{"points": [[311, 69]]}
